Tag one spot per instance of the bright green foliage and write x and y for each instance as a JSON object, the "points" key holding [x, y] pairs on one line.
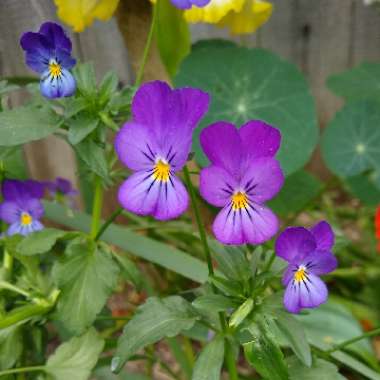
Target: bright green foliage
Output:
{"points": [[86, 79], [241, 313], [24, 124], [76, 358], [321, 369], [299, 190], [156, 319], [12, 162], [351, 141], [86, 277], [81, 126], [210, 361], [172, 35], [246, 84], [10, 346], [362, 82], [214, 302]]}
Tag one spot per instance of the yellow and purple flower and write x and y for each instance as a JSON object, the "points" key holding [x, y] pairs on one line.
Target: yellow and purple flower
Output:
{"points": [[243, 175], [48, 52], [155, 144], [309, 255], [21, 207]]}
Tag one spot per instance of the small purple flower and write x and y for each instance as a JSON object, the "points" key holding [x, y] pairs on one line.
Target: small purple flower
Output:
{"points": [[187, 4], [156, 145], [22, 208], [308, 253], [62, 191], [48, 53], [243, 175]]}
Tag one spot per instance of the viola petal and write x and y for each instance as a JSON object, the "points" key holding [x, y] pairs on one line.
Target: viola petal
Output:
{"points": [[59, 86], [324, 236]]}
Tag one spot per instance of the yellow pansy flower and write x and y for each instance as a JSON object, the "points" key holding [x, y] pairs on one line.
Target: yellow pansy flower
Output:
{"points": [[80, 14], [253, 14]]}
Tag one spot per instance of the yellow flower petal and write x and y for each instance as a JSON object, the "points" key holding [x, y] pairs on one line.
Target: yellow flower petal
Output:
{"points": [[214, 11], [254, 14], [81, 13]]}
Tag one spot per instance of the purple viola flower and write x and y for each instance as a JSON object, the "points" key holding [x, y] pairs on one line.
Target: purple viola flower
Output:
{"points": [[62, 191], [48, 52], [155, 144], [22, 208], [308, 253], [187, 4], [243, 175]]}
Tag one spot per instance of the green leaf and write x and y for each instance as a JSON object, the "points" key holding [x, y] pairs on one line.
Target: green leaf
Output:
{"points": [[321, 369], [364, 187], [81, 126], [247, 84], [76, 358], [93, 156], [23, 124], [6, 87], [141, 246], [86, 80], [362, 82], [107, 87], [129, 270], [232, 261], [210, 361], [12, 161], [350, 144], [86, 277], [104, 373], [40, 242], [265, 355], [10, 346], [214, 303], [73, 106], [241, 313], [172, 36], [294, 334], [228, 287], [156, 319], [299, 189]]}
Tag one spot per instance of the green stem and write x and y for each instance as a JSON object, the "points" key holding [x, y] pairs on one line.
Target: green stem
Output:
{"points": [[354, 340], [97, 207], [7, 264], [147, 46], [14, 288], [21, 370], [230, 360], [106, 224]]}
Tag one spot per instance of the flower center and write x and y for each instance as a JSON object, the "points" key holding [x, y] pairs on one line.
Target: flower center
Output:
{"points": [[161, 171], [55, 69], [301, 274], [239, 200], [26, 219]]}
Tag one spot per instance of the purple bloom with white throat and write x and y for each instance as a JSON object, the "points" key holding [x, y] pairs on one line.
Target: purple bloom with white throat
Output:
{"points": [[243, 175], [309, 255], [48, 52], [21, 207], [187, 4], [155, 144]]}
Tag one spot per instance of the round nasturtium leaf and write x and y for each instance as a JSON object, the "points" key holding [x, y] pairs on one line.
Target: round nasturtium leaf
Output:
{"points": [[351, 141], [248, 84]]}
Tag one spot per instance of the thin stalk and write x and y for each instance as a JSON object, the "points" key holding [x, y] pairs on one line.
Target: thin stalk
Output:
{"points": [[7, 264], [354, 340], [22, 370], [230, 360], [14, 288], [147, 46], [97, 207], [109, 221]]}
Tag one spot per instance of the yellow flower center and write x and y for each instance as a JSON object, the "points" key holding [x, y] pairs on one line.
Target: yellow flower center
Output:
{"points": [[161, 171], [26, 219], [55, 69], [239, 200], [300, 275]]}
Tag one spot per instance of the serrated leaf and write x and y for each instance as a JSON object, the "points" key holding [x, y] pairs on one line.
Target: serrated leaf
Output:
{"points": [[81, 126], [299, 189], [86, 277], [350, 144], [247, 84], [172, 36], [76, 358], [214, 303], [23, 124], [156, 319], [361, 82], [86, 80], [210, 361], [293, 333], [321, 369], [39, 242]]}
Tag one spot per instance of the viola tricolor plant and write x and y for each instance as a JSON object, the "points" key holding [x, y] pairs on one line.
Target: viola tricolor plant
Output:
{"points": [[48, 52], [195, 201]]}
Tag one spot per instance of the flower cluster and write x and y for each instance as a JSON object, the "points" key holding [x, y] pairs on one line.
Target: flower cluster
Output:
{"points": [[48, 52]]}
